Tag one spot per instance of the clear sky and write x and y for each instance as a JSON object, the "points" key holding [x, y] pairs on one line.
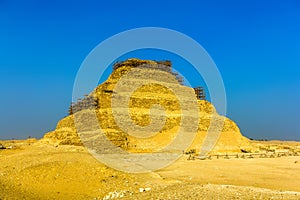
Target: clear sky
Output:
{"points": [[255, 44]]}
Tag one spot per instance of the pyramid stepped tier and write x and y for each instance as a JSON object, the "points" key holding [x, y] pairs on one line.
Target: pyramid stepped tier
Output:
{"points": [[134, 102]]}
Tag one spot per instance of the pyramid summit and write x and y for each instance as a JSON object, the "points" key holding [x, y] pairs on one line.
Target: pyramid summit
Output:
{"points": [[127, 98]]}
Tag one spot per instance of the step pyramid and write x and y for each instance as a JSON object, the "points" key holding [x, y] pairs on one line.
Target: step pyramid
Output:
{"points": [[144, 107]]}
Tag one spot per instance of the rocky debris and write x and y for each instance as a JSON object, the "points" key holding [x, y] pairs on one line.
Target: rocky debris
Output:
{"points": [[117, 194], [144, 189], [123, 193], [211, 191]]}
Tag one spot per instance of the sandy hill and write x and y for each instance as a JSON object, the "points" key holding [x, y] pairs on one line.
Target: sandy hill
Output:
{"points": [[140, 102]]}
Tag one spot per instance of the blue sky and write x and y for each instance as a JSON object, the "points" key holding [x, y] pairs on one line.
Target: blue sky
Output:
{"points": [[255, 44]]}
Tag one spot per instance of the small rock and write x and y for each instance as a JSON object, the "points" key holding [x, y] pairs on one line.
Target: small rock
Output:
{"points": [[202, 157]]}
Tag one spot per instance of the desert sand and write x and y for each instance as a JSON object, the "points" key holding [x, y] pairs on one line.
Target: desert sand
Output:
{"points": [[34, 170]]}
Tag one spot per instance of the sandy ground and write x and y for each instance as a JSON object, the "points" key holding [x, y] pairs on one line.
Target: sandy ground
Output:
{"points": [[39, 171]]}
